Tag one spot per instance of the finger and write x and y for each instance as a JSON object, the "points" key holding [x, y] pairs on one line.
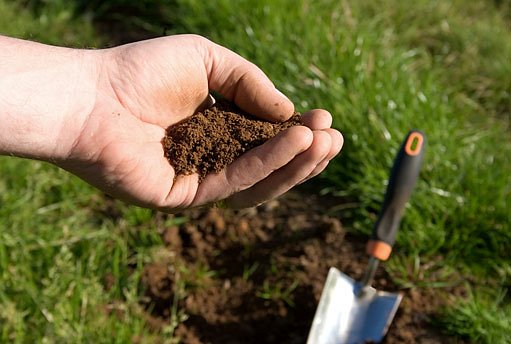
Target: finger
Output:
{"points": [[255, 165], [180, 195], [320, 119], [337, 142], [320, 168], [285, 178], [244, 83], [335, 148], [317, 119]]}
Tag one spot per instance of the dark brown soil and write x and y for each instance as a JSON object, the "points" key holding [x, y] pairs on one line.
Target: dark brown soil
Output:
{"points": [[256, 275], [212, 139]]}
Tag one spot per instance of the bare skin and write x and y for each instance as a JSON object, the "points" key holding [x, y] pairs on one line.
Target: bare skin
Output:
{"points": [[101, 114]]}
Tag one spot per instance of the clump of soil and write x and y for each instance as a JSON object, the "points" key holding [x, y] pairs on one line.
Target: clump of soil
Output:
{"points": [[267, 267], [210, 140]]}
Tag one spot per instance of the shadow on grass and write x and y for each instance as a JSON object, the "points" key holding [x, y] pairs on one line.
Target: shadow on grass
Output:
{"points": [[119, 21]]}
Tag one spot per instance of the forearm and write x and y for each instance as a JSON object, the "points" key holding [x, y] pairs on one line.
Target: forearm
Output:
{"points": [[46, 93]]}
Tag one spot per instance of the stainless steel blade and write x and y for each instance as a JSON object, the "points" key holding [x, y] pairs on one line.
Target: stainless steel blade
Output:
{"points": [[348, 315]]}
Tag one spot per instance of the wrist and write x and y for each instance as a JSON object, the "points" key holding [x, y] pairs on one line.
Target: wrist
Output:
{"points": [[46, 94]]}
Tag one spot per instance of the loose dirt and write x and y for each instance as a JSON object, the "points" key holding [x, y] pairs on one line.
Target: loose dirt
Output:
{"points": [[210, 140], [256, 275]]}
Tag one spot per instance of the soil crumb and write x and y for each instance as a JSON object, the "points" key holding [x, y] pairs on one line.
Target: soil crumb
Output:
{"points": [[210, 140]]}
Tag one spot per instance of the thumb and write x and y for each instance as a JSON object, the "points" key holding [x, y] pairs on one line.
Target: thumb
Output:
{"points": [[245, 84]]}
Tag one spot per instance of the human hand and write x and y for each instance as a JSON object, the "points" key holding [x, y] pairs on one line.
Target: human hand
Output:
{"points": [[144, 87]]}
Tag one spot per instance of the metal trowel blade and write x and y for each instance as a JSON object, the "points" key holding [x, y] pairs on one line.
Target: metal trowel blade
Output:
{"points": [[347, 315]]}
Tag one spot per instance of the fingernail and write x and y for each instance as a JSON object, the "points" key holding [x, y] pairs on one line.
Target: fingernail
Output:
{"points": [[211, 100]]}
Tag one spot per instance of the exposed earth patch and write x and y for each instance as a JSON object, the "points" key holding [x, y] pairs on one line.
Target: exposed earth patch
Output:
{"points": [[256, 275]]}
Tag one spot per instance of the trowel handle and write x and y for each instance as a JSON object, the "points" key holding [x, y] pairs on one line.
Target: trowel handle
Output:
{"points": [[403, 177]]}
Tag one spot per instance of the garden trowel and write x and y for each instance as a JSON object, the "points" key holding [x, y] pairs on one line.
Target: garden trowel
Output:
{"points": [[353, 312]]}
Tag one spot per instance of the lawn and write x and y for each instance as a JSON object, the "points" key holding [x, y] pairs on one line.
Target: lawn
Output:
{"points": [[381, 68]]}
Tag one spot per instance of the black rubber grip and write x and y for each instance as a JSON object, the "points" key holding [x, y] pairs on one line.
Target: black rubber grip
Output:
{"points": [[403, 178]]}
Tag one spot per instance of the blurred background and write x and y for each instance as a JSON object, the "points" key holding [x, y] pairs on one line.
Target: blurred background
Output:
{"points": [[380, 67]]}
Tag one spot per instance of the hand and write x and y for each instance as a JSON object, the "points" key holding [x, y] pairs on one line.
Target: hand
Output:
{"points": [[144, 87]]}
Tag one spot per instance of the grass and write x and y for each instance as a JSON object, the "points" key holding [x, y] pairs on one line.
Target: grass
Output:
{"points": [[58, 241], [381, 68], [55, 23], [482, 318], [58, 244]]}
